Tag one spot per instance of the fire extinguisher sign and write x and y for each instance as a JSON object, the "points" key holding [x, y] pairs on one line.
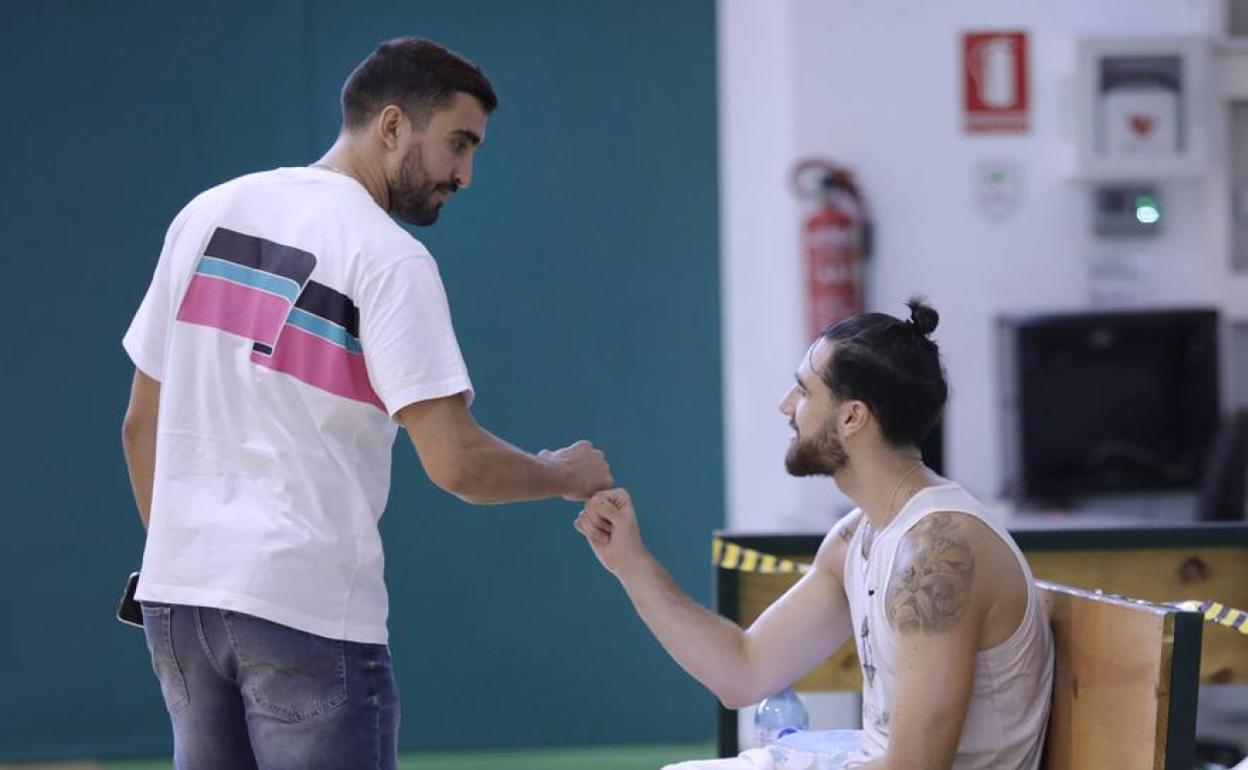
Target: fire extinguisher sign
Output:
{"points": [[994, 81]]}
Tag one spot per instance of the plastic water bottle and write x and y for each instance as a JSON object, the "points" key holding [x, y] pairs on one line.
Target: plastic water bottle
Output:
{"points": [[780, 715]]}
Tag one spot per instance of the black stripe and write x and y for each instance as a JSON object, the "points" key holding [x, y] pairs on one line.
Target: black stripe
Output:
{"points": [[727, 602], [1184, 689], [260, 347], [331, 305], [260, 254]]}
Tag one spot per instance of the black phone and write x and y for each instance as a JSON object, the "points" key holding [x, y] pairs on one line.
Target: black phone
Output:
{"points": [[129, 611]]}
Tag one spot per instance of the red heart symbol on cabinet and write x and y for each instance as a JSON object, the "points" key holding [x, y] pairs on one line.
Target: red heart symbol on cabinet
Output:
{"points": [[1141, 124]]}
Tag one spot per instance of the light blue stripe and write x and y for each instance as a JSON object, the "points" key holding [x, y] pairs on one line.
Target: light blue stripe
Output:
{"points": [[247, 276], [322, 328]]}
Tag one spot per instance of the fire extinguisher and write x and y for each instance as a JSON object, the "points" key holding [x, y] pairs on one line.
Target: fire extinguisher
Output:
{"points": [[836, 241]]}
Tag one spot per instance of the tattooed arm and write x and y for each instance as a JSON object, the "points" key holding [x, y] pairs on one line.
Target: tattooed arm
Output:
{"points": [[936, 607]]}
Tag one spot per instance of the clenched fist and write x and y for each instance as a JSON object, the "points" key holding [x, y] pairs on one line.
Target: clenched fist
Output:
{"points": [[583, 466], [609, 523]]}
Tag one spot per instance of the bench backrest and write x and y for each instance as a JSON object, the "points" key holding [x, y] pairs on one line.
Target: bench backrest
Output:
{"points": [[1125, 682]]}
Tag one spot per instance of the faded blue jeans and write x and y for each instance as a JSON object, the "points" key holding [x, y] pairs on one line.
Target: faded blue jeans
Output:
{"points": [[245, 693]]}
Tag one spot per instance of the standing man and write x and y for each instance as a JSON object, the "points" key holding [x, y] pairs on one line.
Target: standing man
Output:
{"points": [[289, 326], [954, 643]]}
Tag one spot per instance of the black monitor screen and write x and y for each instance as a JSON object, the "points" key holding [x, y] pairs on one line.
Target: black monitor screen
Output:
{"points": [[1114, 402]]}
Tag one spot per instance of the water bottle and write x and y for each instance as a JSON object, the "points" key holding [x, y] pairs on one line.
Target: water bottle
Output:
{"points": [[780, 715]]}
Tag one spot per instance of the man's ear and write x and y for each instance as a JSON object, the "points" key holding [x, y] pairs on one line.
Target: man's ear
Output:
{"points": [[854, 417], [388, 125]]}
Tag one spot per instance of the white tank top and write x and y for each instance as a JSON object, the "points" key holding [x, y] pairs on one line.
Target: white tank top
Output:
{"points": [[1009, 708]]}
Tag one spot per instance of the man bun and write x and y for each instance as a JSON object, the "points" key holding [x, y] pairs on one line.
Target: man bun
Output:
{"points": [[923, 317]]}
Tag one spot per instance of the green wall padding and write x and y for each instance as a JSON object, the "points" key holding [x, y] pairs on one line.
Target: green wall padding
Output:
{"points": [[582, 269]]}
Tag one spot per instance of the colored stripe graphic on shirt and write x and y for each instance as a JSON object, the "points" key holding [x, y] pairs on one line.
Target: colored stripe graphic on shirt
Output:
{"points": [[260, 254], [320, 345], [260, 290], [245, 285], [331, 305], [322, 328], [323, 364], [231, 307], [246, 276]]}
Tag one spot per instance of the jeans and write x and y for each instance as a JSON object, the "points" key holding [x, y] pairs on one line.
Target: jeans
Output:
{"points": [[243, 693]]}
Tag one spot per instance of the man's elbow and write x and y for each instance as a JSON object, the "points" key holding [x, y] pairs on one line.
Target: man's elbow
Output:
{"points": [[738, 693], [741, 684], [458, 478], [448, 475], [735, 699], [134, 429]]}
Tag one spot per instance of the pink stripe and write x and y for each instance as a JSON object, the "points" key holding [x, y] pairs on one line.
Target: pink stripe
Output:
{"points": [[251, 313], [322, 364]]}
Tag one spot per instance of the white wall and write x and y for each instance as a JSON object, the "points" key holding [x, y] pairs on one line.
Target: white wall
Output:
{"points": [[762, 327], [876, 86]]}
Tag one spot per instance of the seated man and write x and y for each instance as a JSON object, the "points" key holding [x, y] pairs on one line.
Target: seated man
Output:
{"points": [[954, 643]]}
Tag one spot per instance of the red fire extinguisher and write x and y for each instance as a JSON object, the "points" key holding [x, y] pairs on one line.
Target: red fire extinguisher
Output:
{"points": [[836, 240]]}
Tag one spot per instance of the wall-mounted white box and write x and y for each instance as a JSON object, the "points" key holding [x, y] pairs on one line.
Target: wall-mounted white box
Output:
{"points": [[1144, 108]]}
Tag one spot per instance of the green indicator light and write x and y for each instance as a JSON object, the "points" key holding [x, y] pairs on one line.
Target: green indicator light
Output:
{"points": [[1146, 209]]}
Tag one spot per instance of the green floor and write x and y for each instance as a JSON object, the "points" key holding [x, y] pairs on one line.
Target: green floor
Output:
{"points": [[610, 758]]}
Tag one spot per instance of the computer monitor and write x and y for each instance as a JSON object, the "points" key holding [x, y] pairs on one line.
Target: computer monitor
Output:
{"points": [[1107, 402]]}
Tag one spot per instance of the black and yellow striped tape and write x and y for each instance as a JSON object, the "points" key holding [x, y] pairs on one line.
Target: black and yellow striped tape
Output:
{"points": [[1216, 612], [726, 555], [732, 556]]}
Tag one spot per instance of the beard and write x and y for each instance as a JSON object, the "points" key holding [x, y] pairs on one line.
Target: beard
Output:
{"points": [[411, 198], [820, 455]]}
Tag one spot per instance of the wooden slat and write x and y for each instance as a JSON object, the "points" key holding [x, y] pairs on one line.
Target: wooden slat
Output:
{"points": [[1163, 576], [1155, 575], [1111, 683]]}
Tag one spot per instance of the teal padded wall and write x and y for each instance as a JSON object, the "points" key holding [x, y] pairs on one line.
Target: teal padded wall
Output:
{"points": [[582, 269]]}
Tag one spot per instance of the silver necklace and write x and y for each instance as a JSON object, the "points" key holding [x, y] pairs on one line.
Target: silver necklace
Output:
{"points": [[893, 497], [867, 530]]}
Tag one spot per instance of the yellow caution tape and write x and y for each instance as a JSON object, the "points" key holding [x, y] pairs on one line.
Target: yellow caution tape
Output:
{"points": [[732, 556], [726, 555], [1216, 612]]}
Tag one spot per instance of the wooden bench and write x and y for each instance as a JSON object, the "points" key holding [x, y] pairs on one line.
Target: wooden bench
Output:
{"points": [[1159, 564]]}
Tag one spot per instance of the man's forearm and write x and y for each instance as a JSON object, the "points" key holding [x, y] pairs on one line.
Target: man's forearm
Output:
{"points": [[471, 463], [710, 647], [497, 472], [138, 441]]}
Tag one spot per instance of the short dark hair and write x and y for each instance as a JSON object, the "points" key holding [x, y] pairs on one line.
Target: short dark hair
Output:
{"points": [[891, 365], [418, 75]]}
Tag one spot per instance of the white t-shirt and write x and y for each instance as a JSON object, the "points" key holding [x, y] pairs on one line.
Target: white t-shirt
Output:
{"points": [[1009, 709], [288, 320]]}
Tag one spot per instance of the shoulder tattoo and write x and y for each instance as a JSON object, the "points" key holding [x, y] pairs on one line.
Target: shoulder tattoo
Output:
{"points": [[931, 582], [846, 529]]}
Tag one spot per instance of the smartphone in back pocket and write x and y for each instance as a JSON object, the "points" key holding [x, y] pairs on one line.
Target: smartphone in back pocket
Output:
{"points": [[129, 611]]}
